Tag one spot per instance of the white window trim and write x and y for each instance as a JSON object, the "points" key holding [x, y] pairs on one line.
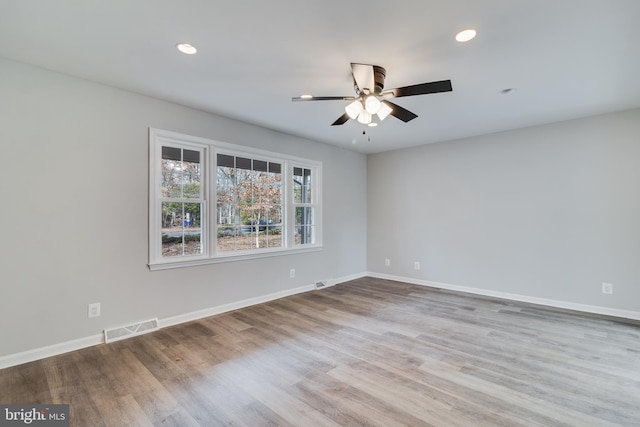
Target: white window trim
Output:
{"points": [[210, 149]]}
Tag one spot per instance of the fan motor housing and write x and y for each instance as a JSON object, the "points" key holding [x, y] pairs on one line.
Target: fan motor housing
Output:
{"points": [[379, 74]]}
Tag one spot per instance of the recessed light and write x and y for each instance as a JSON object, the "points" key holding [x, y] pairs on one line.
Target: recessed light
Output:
{"points": [[372, 124], [186, 48], [306, 96], [507, 91], [465, 35]]}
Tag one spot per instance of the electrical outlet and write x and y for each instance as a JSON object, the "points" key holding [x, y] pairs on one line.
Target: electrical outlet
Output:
{"points": [[94, 310], [416, 265], [387, 262], [607, 288], [292, 273]]}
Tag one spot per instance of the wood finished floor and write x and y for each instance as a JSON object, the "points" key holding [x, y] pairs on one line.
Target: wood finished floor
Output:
{"points": [[368, 352]]}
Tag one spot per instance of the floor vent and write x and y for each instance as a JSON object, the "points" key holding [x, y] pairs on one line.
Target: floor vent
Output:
{"points": [[116, 334], [321, 284]]}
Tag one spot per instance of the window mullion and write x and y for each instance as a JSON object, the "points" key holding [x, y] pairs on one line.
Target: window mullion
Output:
{"points": [[287, 189], [213, 202]]}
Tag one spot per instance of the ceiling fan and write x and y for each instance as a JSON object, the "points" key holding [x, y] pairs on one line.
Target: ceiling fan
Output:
{"points": [[372, 100]]}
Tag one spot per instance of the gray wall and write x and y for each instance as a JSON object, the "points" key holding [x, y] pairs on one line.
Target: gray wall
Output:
{"points": [[73, 185], [548, 212]]}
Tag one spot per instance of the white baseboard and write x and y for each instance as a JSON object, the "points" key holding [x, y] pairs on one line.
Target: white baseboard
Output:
{"points": [[593, 309], [77, 344], [334, 282], [50, 350], [212, 311]]}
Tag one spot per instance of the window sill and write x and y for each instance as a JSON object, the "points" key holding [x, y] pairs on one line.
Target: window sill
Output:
{"points": [[193, 262]]}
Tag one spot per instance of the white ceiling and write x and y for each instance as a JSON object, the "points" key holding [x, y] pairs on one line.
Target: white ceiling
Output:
{"points": [[566, 58]]}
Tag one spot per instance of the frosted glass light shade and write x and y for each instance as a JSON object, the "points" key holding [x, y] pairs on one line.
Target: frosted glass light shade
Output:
{"points": [[372, 104], [353, 109], [364, 117], [384, 111]]}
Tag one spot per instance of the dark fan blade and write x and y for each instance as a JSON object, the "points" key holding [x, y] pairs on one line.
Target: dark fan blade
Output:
{"points": [[363, 75], [341, 120], [423, 88], [401, 113], [323, 98]]}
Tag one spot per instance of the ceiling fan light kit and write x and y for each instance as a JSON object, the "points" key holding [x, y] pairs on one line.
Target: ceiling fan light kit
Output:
{"points": [[371, 99]]}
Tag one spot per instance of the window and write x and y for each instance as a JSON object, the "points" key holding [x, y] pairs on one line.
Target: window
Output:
{"points": [[250, 204], [211, 201], [181, 201], [304, 208]]}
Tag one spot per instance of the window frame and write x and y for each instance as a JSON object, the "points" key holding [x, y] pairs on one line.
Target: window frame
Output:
{"points": [[209, 150]]}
